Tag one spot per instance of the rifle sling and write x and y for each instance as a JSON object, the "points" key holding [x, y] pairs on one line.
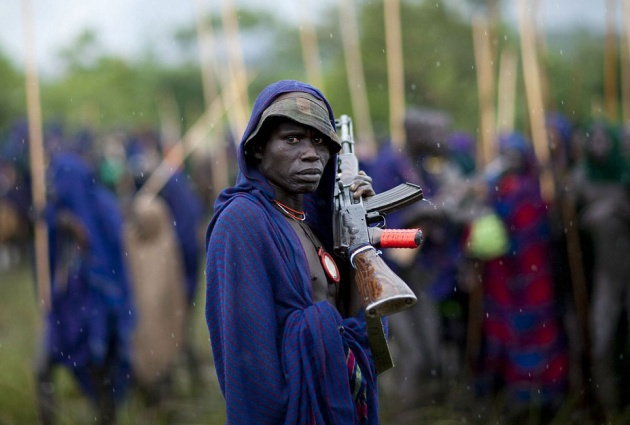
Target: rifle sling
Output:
{"points": [[378, 344]]}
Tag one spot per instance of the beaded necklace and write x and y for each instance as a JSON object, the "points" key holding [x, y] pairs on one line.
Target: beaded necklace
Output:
{"points": [[294, 214], [327, 261]]}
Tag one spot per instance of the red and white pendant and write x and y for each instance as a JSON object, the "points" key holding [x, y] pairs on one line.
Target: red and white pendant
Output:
{"points": [[329, 265]]}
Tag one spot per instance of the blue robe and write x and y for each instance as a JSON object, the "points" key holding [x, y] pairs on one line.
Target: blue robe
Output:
{"points": [[280, 359], [91, 318], [187, 211]]}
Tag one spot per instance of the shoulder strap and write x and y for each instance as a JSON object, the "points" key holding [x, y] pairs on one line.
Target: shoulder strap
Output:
{"points": [[378, 344]]}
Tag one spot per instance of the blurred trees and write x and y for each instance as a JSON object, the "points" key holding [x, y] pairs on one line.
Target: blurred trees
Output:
{"points": [[105, 91], [13, 97], [574, 64]]}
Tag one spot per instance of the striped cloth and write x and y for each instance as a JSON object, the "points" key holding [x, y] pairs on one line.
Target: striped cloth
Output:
{"points": [[280, 359], [524, 350]]}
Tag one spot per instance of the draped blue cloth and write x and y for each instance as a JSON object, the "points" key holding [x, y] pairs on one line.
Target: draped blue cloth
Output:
{"points": [[187, 211], [280, 359], [92, 316]]}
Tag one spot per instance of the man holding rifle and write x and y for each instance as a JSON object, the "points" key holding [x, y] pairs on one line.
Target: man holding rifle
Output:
{"points": [[287, 330]]}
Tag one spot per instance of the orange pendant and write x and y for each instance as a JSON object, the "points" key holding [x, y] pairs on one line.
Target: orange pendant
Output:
{"points": [[329, 265]]}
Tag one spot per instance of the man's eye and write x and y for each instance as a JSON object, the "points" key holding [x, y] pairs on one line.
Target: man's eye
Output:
{"points": [[318, 140], [292, 139]]}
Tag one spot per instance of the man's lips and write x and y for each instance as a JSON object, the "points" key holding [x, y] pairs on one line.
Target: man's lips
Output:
{"points": [[311, 174]]}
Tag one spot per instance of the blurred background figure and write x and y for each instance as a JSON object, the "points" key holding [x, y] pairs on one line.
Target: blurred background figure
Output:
{"points": [[568, 265], [186, 211], [15, 198], [89, 327], [407, 330], [523, 354], [428, 340], [604, 214], [158, 272]]}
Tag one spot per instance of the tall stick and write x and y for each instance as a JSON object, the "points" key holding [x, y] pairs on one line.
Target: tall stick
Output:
{"points": [[236, 66], [625, 64], [611, 98], [209, 81], [170, 123], [533, 91], [355, 75], [541, 146], [625, 81], [207, 59], [494, 18], [485, 78], [310, 49], [36, 157], [188, 143], [395, 72], [507, 92], [542, 55]]}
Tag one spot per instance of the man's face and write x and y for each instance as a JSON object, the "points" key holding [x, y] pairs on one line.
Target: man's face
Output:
{"points": [[515, 161], [294, 157], [600, 145]]}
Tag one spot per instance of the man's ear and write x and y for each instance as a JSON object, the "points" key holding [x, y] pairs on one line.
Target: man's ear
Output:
{"points": [[257, 149]]}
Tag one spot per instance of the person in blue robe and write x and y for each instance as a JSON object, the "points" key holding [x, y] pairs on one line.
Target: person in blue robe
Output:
{"points": [[89, 326], [286, 348]]}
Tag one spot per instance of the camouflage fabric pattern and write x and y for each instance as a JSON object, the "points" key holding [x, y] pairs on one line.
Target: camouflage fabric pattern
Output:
{"points": [[304, 109]]}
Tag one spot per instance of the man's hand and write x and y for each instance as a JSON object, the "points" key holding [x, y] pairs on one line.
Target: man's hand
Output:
{"points": [[362, 186], [72, 224]]}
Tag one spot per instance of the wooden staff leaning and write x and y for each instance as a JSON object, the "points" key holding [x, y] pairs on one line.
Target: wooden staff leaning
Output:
{"points": [[37, 162], [395, 72], [355, 74], [538, 129]]}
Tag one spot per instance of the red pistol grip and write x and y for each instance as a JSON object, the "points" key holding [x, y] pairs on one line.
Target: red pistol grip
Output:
{"points": [[401, 238]]}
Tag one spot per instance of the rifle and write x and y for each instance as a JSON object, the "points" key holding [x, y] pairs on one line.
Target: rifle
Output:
{"points": [[382, 292]]}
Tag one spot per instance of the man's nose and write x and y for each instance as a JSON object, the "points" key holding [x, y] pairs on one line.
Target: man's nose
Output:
{"points": [[310, 151]]}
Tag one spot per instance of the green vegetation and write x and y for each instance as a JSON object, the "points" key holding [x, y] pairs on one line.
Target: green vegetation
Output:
{"points": [[103, 91]]}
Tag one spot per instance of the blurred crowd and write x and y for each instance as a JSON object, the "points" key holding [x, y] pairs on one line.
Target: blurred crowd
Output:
{"points": [[125, 258], [522, 280]]}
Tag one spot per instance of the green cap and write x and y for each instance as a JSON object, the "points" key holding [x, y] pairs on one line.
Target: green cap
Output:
{"points": [[303, 108]]}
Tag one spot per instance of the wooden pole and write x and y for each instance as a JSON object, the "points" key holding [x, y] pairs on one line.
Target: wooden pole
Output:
{"points": [[625, 56], [542, 55], [625, 82], [170, 123], [236, 67], [485, 78], [539, 133], [189, 142], [209, 81], [355, 75], [207, 59], [494, 19], [533, 91], [611, 88], [507, 92], [310, 49], [37, 161], [395, 72]]}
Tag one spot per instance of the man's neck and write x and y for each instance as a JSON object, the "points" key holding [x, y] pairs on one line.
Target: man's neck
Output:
{"points": [[292, 200]]}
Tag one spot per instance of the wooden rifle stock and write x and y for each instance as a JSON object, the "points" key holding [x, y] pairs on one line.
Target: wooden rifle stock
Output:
{"points": [[382, 292]]}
